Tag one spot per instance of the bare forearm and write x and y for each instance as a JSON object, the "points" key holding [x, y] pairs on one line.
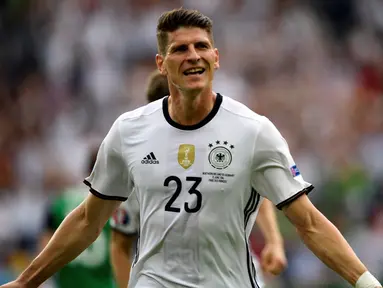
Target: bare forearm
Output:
{"points": [[267, 223], [121, 262], [121, 251], [327, 243], [71, 238]]}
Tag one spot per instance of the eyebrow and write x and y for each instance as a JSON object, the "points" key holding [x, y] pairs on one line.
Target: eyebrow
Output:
{"points": [[175, 47], [207, 43]]}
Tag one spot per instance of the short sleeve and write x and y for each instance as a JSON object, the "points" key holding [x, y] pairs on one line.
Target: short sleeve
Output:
{"points": [[126, 218], [109, 177], [274, 173]]}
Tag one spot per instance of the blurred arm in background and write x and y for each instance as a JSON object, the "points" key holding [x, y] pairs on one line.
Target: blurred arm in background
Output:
{"points": [[125, 227], [273, 258]]}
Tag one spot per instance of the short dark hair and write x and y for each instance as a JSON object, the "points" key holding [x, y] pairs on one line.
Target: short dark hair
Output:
{"points": [[172, 20], [157, 86]]}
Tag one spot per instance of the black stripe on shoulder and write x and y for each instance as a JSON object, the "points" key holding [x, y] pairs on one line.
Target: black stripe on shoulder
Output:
{"points": [[295, 197], [102, 196]]}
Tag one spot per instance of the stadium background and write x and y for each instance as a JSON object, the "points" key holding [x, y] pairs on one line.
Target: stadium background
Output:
{"points": [[314, 67]]}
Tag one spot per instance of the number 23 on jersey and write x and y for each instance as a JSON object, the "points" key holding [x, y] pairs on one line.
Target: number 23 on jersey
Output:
{"points": [[170, 206]]}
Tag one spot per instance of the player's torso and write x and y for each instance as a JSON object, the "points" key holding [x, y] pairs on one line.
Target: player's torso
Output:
{"points": [[92, 267], [194, 192]]}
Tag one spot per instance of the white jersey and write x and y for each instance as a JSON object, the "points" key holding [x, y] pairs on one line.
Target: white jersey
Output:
{"points": [[199, 189], [259, 275]]}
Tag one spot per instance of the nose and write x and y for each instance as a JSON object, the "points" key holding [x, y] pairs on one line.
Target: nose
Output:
{"points": [[193, 55]]}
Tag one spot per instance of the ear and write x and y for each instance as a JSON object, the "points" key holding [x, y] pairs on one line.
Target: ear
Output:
{"points": [[160, 64], [216, 60]]}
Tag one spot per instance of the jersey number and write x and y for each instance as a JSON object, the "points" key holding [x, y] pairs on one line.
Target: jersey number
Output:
{"points": [[192, 190]]}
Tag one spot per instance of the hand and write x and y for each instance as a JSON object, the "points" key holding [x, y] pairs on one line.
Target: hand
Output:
{"points": [[273, 259]]}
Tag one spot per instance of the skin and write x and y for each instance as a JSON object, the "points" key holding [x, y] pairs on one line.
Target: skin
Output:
{"points": [[273, 258], [324, 239], [121, 251], [191, 97], [191, 100], [77, 232]]}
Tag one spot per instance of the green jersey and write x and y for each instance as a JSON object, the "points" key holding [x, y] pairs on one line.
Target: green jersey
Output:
{"points": [[92, 268]]}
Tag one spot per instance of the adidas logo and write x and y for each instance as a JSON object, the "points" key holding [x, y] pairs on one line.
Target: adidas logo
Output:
{"points": [[150, 159]]}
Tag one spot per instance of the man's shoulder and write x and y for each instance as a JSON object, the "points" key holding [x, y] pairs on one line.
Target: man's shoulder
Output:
{"points": [[241, 110], [137, 121], [140, 112]]}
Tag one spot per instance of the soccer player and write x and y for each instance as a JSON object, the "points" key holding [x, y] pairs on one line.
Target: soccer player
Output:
{"points": [[125, 222], [92, 268], [125, 228], [212, 161]]}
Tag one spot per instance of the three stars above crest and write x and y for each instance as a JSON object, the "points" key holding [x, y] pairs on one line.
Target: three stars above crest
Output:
{"points": [[219, 142]]}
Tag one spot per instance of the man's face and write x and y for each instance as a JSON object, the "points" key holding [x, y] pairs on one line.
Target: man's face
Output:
{"points": [[190, 59]]}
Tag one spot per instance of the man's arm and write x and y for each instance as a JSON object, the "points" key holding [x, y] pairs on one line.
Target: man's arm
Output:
{"points": [[121, 252], [79, 229], [273, 258], [277, 177], [45, 237], [324, 240]]}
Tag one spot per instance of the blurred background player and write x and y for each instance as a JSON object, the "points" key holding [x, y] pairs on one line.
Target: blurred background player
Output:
{"points": [[272, 259], [92, 268], [125, 226], [125, 222]]}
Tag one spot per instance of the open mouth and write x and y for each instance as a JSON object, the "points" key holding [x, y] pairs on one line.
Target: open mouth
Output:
{"points": [[194, 71]]}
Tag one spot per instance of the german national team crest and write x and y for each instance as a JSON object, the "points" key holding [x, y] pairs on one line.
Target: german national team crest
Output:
{"points": [[220, 156], [186, 155]]}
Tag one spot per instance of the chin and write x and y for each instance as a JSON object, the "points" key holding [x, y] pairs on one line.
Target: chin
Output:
{"points": [[196, 86]]}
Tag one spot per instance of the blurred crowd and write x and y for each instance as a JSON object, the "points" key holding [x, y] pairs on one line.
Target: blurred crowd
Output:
{"points": [[68, 68]]}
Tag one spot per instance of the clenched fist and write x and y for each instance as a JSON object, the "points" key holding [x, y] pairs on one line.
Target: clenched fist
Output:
{"points": [[273, 259]]}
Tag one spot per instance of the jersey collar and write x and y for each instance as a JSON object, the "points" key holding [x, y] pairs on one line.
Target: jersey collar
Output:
{"points": [[207, 119]]}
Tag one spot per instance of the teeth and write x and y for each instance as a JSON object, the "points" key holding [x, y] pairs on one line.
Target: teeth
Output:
{"points": [[194, 70]]}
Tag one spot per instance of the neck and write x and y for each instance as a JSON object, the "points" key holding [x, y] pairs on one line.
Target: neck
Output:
{"points": [[190, 108]]}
